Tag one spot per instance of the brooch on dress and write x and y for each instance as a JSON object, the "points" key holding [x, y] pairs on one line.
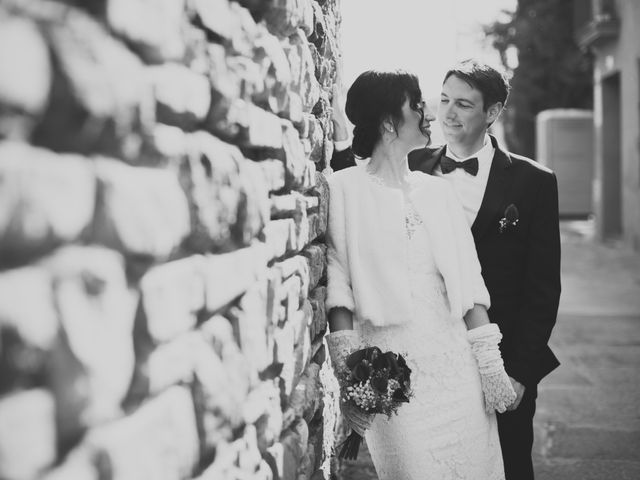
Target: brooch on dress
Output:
{"points": [[510, 218]]}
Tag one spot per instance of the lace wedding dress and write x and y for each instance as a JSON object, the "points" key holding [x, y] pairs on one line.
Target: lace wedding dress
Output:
{"points": [[443, 433]]}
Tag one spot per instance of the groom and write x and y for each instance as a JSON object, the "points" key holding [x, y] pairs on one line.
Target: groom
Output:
{"points": [[511, 204]]}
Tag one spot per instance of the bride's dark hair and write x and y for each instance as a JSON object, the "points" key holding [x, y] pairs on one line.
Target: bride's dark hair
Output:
{"points": [[374, 96]]}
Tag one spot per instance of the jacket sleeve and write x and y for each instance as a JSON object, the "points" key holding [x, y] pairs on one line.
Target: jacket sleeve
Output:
{"points": [[474, 290], [342, 159], [539, 309], [339, 292]]}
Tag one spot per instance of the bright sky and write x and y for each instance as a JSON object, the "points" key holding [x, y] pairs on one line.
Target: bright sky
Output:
{"points": [[422, 36]]}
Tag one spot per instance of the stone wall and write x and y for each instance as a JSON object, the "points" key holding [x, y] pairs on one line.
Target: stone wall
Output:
{"points": [[162, 261]]}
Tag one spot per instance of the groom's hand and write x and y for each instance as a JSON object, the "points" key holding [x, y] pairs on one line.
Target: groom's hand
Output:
{"points": [[519, 388]]}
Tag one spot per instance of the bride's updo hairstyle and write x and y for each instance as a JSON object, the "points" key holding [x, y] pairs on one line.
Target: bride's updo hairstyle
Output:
{"points": [[375, 96]]}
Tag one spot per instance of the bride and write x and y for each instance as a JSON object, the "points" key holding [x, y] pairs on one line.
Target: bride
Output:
{"points": [[403, 275]]}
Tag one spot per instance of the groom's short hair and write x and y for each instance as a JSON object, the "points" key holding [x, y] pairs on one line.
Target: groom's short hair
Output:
{"points": [[493, 85]]}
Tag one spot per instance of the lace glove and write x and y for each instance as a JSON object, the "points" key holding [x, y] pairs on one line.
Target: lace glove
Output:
{"points": [[496, 385], [341, 344]]}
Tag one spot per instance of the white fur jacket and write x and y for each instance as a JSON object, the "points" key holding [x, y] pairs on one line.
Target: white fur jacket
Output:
{"points": [[368, 270]]}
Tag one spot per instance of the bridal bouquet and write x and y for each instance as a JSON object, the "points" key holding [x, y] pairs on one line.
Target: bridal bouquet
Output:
{"points": [[373, 382]]}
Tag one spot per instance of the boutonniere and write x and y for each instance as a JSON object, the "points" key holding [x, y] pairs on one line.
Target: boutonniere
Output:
{"points": [[510, 218]]}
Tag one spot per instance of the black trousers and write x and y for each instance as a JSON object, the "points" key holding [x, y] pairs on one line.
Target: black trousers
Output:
{"points": [[516, 437]]}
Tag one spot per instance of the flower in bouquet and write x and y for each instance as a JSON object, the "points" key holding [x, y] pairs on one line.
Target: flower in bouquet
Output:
{"points": [[373, 382]]}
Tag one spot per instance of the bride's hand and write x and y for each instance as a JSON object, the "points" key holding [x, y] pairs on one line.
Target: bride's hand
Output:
{"points": [[496, 385], [339, 116], [519, 389]]}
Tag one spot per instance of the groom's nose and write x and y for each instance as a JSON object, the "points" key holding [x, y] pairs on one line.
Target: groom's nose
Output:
{"points": [[448, 112]]}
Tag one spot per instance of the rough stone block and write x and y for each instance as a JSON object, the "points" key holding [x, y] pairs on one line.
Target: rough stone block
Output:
{"points": [[154, 29], [326, 70], [96, 311], [28, 434], [28, 326], [274, 301], [277, 235], [309, 178], [224, 380], [225, 87], [252, 79], [239, 459], [258, 128], [316, 440], [319, 33], [316, 138], [284, 17], [164, 146], [196, 56], [252, 325], [172, 296], [303, 70], [293, 156], [301, 321], [315, 229], [141, 211], [306, 397], [223, 465], [168, 364], [249, 457], [216, 16], [296, 266], [284, 338], [229, 275], [25, 76], [316, 256], [317, 299], [182, 96], [77, 464], [268, 52], [302, 234], [293, 110], [102, 100], [320, 190], [159, 440], [245, 124], [262, 409], [46, 199], [253, 211], [291, 292], [245, 37], [287, 205], [211, 177], [295, 446], [273, 174]]}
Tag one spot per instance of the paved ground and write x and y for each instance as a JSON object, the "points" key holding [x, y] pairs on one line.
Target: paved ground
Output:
{"points": [[588, 419]]}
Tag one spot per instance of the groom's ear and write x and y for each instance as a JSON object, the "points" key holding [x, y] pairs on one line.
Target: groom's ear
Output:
{"points": [[493, 112]]}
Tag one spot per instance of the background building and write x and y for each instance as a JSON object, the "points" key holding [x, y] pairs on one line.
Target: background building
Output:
{"points": [[609, 29]]}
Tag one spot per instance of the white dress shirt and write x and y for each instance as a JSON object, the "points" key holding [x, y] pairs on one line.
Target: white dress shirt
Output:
{"points": [[470, 189]]}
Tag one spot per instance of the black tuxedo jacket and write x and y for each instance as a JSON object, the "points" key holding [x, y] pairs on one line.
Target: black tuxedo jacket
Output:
{"points": [[521, 265]]}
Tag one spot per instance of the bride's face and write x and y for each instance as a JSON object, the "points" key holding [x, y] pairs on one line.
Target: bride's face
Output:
{"points": [[414, 126]]}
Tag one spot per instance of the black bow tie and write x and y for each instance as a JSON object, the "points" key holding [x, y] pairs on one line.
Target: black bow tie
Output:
{"points": [[449, 165]]}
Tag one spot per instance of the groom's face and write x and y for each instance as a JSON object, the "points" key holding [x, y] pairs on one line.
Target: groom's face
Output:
{"points": [[461, 113]]}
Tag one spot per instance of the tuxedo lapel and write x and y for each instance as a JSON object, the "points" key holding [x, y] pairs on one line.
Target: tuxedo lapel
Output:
{"points": [[493, 200]]}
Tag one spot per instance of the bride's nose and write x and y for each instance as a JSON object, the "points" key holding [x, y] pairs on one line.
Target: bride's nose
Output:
{"points": [[428, 114]]}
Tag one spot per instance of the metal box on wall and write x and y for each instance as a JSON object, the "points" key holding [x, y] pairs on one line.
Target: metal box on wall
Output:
{"points": [[564, 143]]}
